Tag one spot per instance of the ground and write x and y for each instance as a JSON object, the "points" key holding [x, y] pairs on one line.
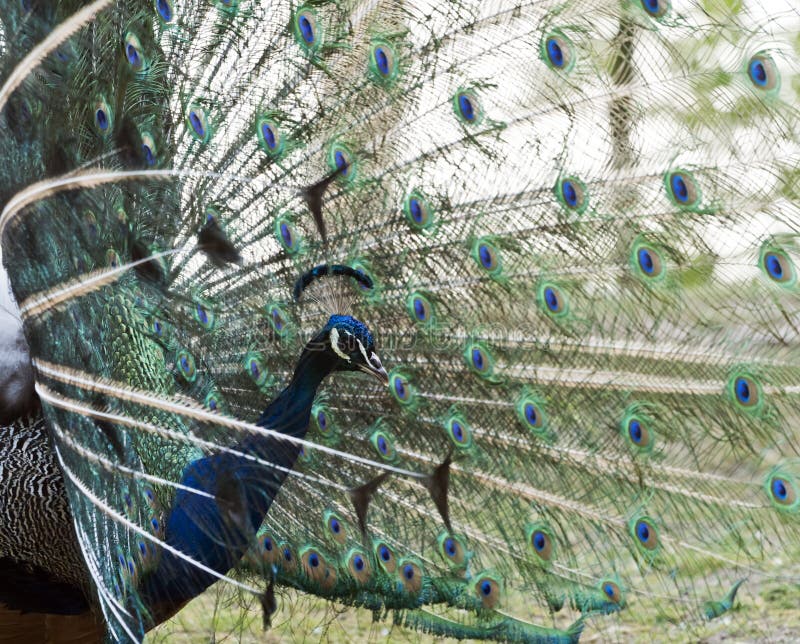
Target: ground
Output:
{"points": [[761, 614]]}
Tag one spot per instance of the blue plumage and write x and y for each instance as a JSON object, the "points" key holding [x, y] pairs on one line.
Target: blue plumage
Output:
{"points": [[216, 527], [570, 226]]}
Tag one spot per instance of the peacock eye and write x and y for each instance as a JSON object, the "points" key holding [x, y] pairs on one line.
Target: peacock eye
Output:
{"points": [[270, 137], [612, 591], [557, 51], [467, 107], [382, 62], [778, 267], [164, 9], [572, 194], [647, 262], [148, 150], [487, 257], [782, 490], [636, 431], [342, 164], [197, 119], [133, 51], [531, 413], [186, 366], [306, 28], [268, 132], [746, 391], [348, 342], [646, 533], [488, 591], [287, 236], [103, 117], [763, 73], [655, 8], [552, 300], [682, 189]]}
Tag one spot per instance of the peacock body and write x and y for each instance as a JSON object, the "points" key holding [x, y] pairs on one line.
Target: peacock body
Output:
{"points": [[568, 229]]}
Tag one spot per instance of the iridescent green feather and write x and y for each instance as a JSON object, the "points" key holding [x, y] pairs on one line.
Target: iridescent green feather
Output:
{"points": [[580, 221]]}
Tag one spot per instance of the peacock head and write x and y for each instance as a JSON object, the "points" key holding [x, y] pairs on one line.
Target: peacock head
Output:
{"points": [[351, 342]]}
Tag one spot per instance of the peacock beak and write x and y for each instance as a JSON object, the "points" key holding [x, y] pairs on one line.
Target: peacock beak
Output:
{"points": [[375, 369]]}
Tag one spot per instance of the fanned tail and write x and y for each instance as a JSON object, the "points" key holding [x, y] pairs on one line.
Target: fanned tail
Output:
{"points": [[572, 227]]}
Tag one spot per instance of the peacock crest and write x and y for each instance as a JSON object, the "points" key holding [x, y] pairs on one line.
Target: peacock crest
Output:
{"points": [[473, 318]]}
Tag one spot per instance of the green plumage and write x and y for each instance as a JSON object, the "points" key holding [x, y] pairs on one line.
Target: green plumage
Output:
{"points": [[580, 220]]}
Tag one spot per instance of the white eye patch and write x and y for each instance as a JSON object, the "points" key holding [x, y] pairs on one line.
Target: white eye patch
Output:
{"points": [[335, 345], [363, 351]]}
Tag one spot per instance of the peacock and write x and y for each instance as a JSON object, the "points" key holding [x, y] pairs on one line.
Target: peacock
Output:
{"points": [[482, 317]]}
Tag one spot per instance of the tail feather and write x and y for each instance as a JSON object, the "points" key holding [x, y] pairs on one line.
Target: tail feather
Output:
{"points": [[573, 229]]}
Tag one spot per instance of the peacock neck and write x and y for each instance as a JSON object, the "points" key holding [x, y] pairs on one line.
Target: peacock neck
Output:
{"points": [[289, 412], [203, 527]]}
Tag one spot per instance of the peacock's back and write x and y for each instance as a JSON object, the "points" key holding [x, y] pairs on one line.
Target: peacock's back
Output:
{"points": [[578, 225]]}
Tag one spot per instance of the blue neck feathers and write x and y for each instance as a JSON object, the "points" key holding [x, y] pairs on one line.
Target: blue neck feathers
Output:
{"points": [[217, 531], [290, 411]]}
